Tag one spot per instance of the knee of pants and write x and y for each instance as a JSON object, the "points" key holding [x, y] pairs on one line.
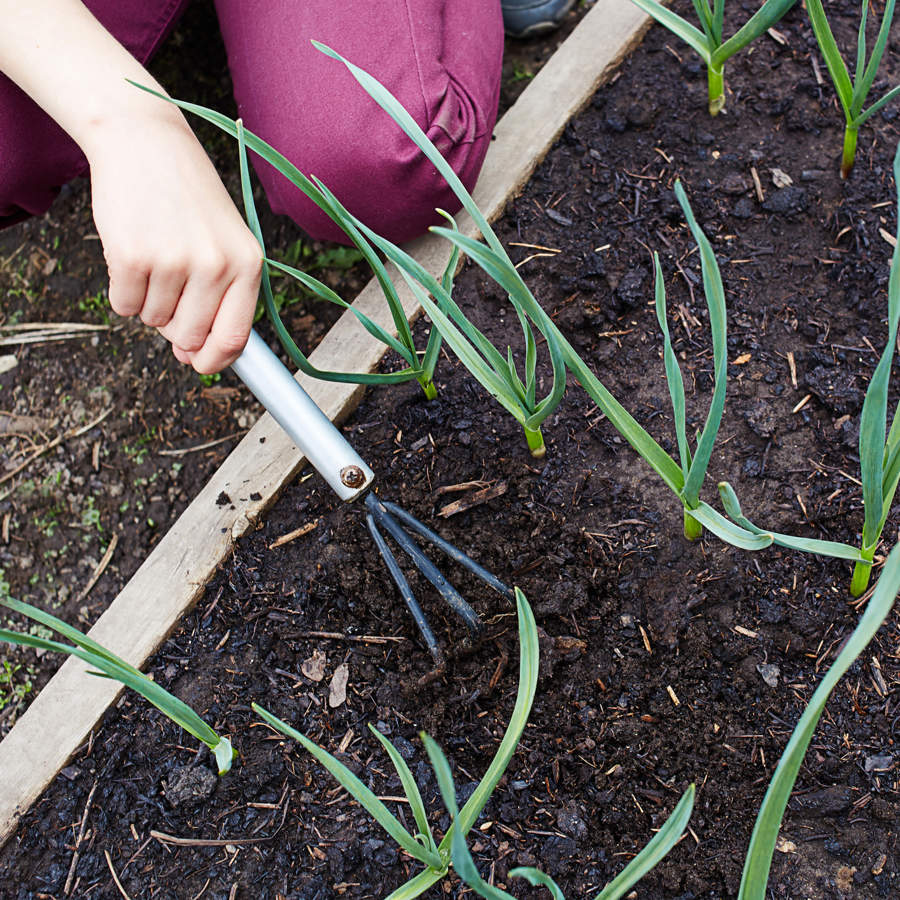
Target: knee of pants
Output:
{"points": [[440, 58]]}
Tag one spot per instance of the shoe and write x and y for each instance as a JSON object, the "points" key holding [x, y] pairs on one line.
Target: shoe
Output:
{"points": [[527, 18]]}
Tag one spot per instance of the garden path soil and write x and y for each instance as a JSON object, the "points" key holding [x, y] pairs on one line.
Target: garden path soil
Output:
{"points": [[631, 615]]}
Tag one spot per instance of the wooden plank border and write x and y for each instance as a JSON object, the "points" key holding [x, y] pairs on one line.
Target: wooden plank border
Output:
{"points": [[175, 573]]}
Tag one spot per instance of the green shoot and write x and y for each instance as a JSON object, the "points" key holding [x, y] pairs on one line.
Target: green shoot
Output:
{"points": [[421, 846], [768, 822], [852, 94], [694, 469], [657, 848], [879, 449], [419, 364], [708, 42], [112, 666]]}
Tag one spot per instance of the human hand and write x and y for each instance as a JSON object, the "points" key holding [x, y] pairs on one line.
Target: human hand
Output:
{"points": [[179, 254]]}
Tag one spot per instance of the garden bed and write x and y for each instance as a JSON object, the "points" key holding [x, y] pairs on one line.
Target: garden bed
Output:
{"points": [[652, 647]]}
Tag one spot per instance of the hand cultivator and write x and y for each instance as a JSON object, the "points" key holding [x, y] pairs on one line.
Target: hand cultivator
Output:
{"points": [[350, 478]]}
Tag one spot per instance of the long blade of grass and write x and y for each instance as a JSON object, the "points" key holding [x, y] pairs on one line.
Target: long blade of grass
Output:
{"points": [[760, 22], [459, 850], [621, 419], [362, 794], [705, 15], [109, 665], [717, 21], [692, 36], [323, 292], [827, 44], [859, 71], [283, 334], [807, 545], [673, 370], [410, 267], [765, 831], [528, 673], [410, 788], [715, 302], [878, 104], [496, 385], [348, 222]]}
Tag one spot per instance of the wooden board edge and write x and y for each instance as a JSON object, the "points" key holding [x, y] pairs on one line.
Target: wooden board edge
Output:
{"points": [[138, 621]]}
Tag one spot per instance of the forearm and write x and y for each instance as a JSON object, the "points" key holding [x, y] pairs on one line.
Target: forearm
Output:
{"points": [[67, 62]]}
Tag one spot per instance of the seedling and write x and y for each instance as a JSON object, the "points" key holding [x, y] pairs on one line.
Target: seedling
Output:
{"points": [[422, 846], [853, 94], [708, 43], [765, 832], [112, 666], [664, 840]]}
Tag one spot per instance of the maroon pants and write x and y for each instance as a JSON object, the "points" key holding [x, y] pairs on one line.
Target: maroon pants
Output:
{"points": [[440, 58]]}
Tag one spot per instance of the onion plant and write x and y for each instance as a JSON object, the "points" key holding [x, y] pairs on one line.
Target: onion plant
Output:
{"points": [[492, 257], [108, 665], [658, 847], [852, 94], [765, 832], [422, 846], [879, 449], [707, 41]]}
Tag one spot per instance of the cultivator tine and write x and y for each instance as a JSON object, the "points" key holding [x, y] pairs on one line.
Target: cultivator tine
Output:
{"points": [[392, 519], [454, 553], [405, 591]]}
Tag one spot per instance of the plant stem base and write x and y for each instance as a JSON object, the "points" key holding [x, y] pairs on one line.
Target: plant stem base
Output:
{"points": [[848, 157], [693, 530], [535, 442], [862, 572]]}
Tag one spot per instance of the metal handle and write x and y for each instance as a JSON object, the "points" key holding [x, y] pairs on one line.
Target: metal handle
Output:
{"points": [[295, 411]]}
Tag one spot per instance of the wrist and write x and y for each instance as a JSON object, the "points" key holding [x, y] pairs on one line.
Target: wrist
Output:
{"points": [[144, 119]]}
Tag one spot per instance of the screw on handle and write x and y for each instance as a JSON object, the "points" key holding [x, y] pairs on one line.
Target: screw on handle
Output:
{"points": [[311, 430]]}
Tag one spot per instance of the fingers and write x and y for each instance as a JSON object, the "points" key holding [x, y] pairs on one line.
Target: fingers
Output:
{"points": [[210, 326], [230, 328]]}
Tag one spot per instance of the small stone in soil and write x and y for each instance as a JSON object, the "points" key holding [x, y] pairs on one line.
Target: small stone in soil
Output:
{"points": [[189, 784], [770, 673], [786, 201]]}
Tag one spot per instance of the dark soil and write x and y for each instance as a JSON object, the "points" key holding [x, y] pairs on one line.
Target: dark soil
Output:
{"points": [[631, 615]]}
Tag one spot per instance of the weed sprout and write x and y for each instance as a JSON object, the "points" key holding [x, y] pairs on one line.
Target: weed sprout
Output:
{"points": [[852, 94], [708, 43], [112, 666]]}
